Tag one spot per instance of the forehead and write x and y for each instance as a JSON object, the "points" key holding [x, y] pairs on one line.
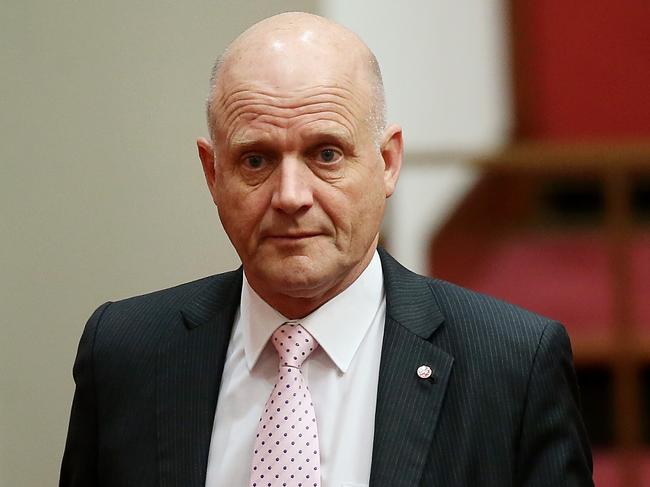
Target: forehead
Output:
{"points": [[292, 83], [338, 107]]}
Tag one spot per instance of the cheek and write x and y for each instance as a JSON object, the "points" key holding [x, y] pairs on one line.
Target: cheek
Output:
{"points": [[370, 206], [240, 212], [368, 191], [355, 209]]}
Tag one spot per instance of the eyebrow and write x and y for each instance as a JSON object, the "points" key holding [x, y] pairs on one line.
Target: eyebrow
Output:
{"points": [[243, 142], [318, 133], [310, 136]]}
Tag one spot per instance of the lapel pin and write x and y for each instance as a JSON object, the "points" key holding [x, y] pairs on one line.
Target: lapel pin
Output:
{"points": [[424, 372]]}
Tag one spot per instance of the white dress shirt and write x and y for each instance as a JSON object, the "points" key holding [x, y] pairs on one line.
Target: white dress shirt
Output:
{"points": [[342, 375]]}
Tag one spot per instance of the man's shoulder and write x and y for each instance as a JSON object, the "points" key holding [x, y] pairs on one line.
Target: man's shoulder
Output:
{"points": [[151, 313], [457, 301], [181, 295], [472, 322], [487, 330]]}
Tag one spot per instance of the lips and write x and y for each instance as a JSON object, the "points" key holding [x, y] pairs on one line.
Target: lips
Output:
{"points": [[293, 236]]}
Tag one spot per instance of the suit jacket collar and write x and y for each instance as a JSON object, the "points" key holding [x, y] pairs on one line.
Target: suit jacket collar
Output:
{"points": [[192, 355], [221, 294], [408, 405], [409, 299]]}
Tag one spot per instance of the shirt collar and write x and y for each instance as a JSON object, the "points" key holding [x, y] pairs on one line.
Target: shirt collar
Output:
{"points": [[338, 326]]}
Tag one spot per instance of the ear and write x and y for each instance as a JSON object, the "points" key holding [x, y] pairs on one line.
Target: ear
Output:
{"points": [[206, 154], [392, 151]]}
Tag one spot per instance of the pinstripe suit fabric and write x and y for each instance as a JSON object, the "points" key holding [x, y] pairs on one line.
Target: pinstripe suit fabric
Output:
{"points": [[501, 408]]}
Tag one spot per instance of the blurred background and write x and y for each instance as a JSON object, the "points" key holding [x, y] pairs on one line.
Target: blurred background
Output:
{"points": [[527, 176]]}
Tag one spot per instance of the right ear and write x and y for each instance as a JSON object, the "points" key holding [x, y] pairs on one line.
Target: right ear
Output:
{"points": [[206, 154]]}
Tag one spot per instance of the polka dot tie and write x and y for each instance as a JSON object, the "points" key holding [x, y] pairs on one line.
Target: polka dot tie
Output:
{"points": [[286, 447]]}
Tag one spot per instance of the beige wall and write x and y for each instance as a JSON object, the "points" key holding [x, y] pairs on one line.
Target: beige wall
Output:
{"points": [[101, 193]]}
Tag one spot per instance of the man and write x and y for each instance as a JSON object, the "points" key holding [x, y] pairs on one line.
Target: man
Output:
{"points": [[389, 378]]}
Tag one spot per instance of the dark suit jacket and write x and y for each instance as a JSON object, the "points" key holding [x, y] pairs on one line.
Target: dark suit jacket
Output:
{"points": [[501, 408]]}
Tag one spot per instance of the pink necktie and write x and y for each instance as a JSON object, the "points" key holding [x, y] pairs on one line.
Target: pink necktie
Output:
{"points": [[286, 447]]}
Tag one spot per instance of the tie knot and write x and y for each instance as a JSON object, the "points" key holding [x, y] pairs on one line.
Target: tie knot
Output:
{"points": [[293, 343]]}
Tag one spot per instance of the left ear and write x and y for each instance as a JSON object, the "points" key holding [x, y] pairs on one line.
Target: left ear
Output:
{"points": [[392, 151]]}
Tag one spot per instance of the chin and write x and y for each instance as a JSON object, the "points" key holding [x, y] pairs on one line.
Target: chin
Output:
{"points": [[298, 277]]}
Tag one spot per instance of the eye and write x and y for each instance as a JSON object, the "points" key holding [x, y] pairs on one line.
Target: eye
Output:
{"points": [[254, 161], [329, 155]]}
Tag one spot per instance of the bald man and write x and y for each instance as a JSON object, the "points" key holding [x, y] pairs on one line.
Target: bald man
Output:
{"points": [[321, 361]]}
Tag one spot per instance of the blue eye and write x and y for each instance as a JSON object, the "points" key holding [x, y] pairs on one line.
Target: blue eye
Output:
{"points": [[329, 155]]}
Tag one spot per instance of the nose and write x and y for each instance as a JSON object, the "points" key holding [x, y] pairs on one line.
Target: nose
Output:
{"points": [[293, 191]]}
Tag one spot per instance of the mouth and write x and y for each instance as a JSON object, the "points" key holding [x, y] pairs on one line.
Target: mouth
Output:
{"points": [[292, 236]]}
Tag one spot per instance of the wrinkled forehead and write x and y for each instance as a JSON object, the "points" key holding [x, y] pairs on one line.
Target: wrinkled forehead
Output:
{"points": [[287, 65]]}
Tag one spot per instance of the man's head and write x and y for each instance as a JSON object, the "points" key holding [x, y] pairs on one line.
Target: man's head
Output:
{"points": [[300, 163]]}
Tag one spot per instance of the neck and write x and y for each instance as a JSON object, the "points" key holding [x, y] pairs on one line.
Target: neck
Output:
{"points": [[299, 306]]}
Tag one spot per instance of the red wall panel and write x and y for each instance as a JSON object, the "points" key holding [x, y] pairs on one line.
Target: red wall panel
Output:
{"points": [[582, 68]]}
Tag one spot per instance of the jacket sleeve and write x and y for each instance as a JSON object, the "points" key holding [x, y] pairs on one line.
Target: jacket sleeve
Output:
{"points": [[553, 449], [79, 465]]}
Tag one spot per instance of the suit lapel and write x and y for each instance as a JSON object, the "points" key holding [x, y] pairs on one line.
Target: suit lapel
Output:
{"points": [[190, 364], [192, 355], [408, 406]]}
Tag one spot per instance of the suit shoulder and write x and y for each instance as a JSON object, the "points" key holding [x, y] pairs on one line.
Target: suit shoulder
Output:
{"points": [[148, 314], [174, 297], [464, 311], [460, 301], [479, 324]]}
